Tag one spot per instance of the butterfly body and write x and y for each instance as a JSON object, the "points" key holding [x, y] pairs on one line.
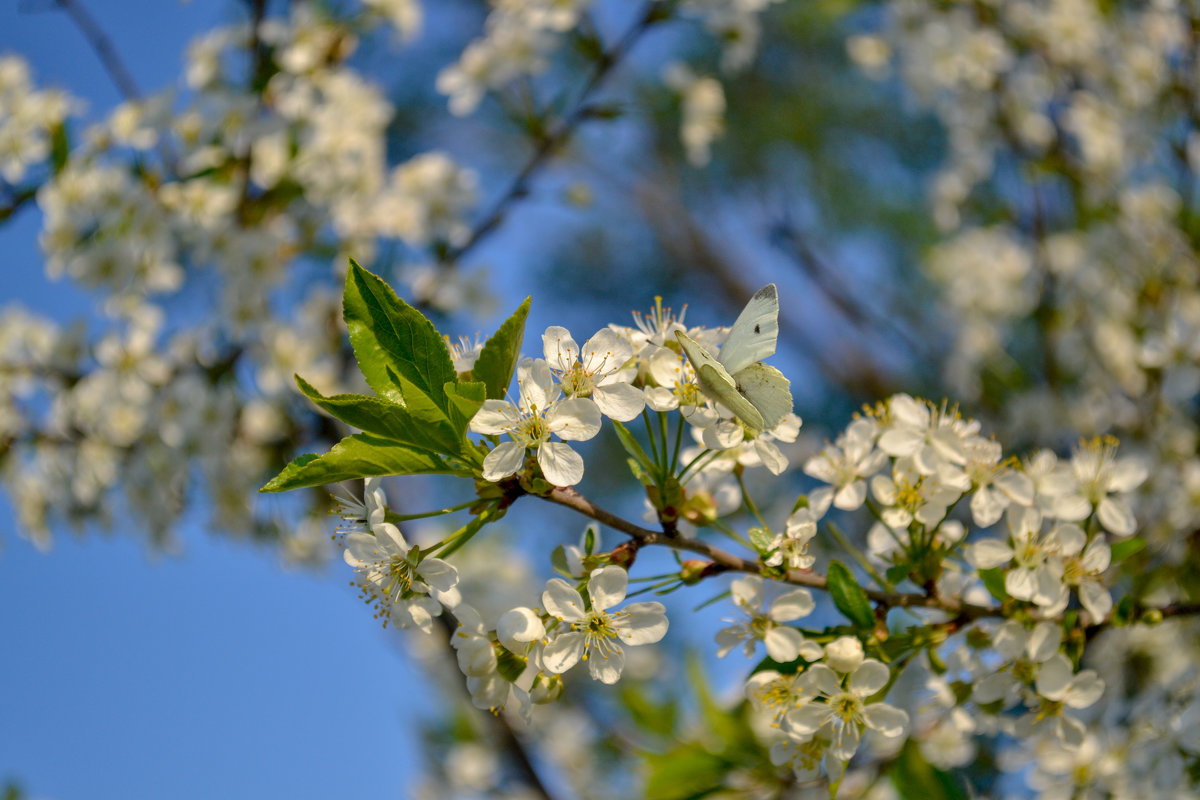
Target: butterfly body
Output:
{"points": [[758, 394]]}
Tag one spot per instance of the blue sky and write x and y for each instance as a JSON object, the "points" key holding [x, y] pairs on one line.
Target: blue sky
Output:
{"points": [[209, 674]]}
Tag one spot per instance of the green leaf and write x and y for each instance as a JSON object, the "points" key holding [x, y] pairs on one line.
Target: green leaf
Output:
{"points": [[1126, 548], [916, 779], [761, 539], [657, 718], [359, 456], [634, 449], [387, 419], [849, 597], [684, 773], [498, 359], [60, 147], [897, 572], [558, 560], [389, 334], [509, 664], [993, 581], [464, 400]]}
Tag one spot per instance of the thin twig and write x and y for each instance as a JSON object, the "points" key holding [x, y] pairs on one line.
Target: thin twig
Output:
{"points": [[558, 136], [103, 47]]}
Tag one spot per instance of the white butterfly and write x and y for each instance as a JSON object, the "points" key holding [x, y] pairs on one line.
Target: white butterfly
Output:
{"points": [[757, 394]]}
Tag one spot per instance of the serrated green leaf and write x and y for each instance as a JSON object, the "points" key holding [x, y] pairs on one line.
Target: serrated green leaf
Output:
{"points": [[359, 456], [849, 597], [917, 779], [993, 581], [386, 419], [464, 400], [387, 333], [1126, 548], [498, 360]]}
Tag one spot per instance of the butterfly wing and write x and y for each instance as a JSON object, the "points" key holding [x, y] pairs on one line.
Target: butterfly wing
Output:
{"points": [[716, 383], [755, 332], [767, 390]]}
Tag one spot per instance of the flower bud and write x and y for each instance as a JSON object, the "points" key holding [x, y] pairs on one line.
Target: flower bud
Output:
{"points": [[844, 654], [546, 688], [694, 570], [518, 627]]}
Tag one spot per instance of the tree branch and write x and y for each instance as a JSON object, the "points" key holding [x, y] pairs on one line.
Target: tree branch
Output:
{"points": [[103, 47], [558, 136], [729, 562]]}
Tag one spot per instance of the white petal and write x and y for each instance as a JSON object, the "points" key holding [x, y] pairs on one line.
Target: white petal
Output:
{"points": [[607, 586], [792, 605], [575, 419], [851, 496], [563, 652], [438, 574], [1054, 677], [807, 719], [562, 601], [783, 643], [996, 686], [1020, 583], [1085, 690], [986, 507], [605, 353], [536, 385], [1096, 599], [823, 680], [518, 627], [1044, 641], [901, 441], [619, 401], [643, 623], [869, 678], [606, 667], [660, 398], [989, 553], [1127, 475], [495, 417], [1116, 517], [506, 459], [845, 741], [561, 465], [888, 720], [390, 538], [770, 456], [560, 349]]}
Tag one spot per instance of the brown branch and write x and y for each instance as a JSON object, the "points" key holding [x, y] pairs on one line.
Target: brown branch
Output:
{"points": [[651, 13], [729, 562]]}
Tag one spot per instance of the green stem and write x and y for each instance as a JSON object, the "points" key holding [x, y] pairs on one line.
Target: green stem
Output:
{"points": [[750, 504], [688, 466], [663, 432], [394, 518], [653, 441], [858, 555], [723, 527], [678, 444], [464, 534]]}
